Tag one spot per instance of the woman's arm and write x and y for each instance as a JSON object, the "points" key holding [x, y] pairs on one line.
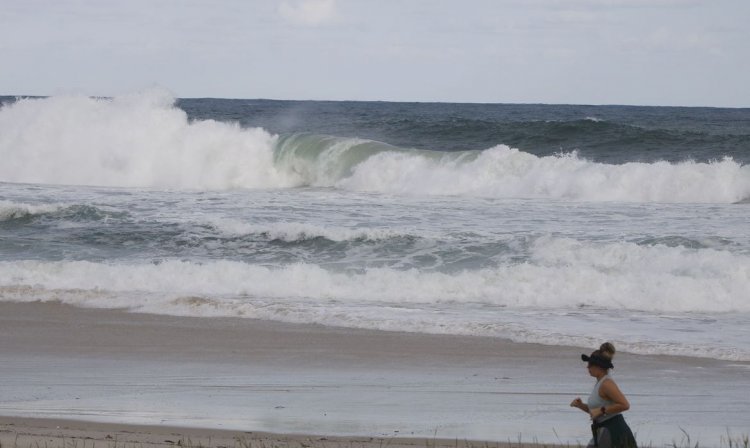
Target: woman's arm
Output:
{"points": [[609, 391]]}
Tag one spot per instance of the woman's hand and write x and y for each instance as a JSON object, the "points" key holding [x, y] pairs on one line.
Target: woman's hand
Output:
{"points": [[577, 403], [596, 413]]}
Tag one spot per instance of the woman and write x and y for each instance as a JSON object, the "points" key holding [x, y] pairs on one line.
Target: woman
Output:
{"points": [[606, 403]]}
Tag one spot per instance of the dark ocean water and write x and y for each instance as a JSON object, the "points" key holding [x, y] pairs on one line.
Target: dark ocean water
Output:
{"points": [[609, 134]]}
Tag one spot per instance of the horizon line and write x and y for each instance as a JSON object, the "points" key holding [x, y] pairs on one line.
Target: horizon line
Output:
{"points": [[485, 103]]}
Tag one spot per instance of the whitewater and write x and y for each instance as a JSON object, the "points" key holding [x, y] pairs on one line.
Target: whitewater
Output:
{"points": [[381, 219]]}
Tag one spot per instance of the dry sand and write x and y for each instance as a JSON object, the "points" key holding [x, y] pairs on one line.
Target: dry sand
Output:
{"points": [[51, 433]]}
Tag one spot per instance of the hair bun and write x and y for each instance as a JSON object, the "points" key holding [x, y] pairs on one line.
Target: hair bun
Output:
{"points": [[607, 350]]}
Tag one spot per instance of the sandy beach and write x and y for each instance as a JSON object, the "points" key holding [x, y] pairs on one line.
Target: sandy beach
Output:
{"points": [[245, 376]]}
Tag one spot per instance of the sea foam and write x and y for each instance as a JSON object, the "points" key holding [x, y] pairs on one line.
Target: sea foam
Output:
{"points": [[562, 274], [138, 140]]}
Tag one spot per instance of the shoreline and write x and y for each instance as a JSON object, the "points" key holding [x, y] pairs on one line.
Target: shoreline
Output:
{"points": [[284, 379], [378, 343]]}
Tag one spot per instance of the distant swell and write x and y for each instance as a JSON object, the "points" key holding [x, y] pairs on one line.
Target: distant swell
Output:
{"points": [[145, 141]]}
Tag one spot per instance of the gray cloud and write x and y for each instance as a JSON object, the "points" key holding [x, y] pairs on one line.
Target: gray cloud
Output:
{"points": [[308, 12], [680, 52]]}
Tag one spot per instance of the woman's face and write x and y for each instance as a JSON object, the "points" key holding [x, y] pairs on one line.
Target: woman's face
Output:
{"points": [[595, 370]]}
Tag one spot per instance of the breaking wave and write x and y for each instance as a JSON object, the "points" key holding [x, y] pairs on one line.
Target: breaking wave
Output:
{"points": [[144, 141]]}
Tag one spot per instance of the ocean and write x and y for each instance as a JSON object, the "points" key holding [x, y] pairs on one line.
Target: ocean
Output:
{"points": [[552, 224]]}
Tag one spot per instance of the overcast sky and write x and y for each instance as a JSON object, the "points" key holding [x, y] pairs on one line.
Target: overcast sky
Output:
{"points": [[651, 52]]}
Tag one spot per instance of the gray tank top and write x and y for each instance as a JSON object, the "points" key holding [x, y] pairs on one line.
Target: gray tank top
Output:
{"points": [[595, 401]]}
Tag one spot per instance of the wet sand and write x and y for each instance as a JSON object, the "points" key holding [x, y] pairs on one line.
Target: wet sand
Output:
{"points": [[109, 366]]}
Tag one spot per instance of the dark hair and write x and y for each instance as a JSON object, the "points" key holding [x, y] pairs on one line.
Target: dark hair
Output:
{"points": [[607, 351], [602, 357]]}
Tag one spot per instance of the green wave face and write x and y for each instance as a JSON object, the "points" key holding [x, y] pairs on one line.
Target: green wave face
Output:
{"points": [[323, 160]]}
